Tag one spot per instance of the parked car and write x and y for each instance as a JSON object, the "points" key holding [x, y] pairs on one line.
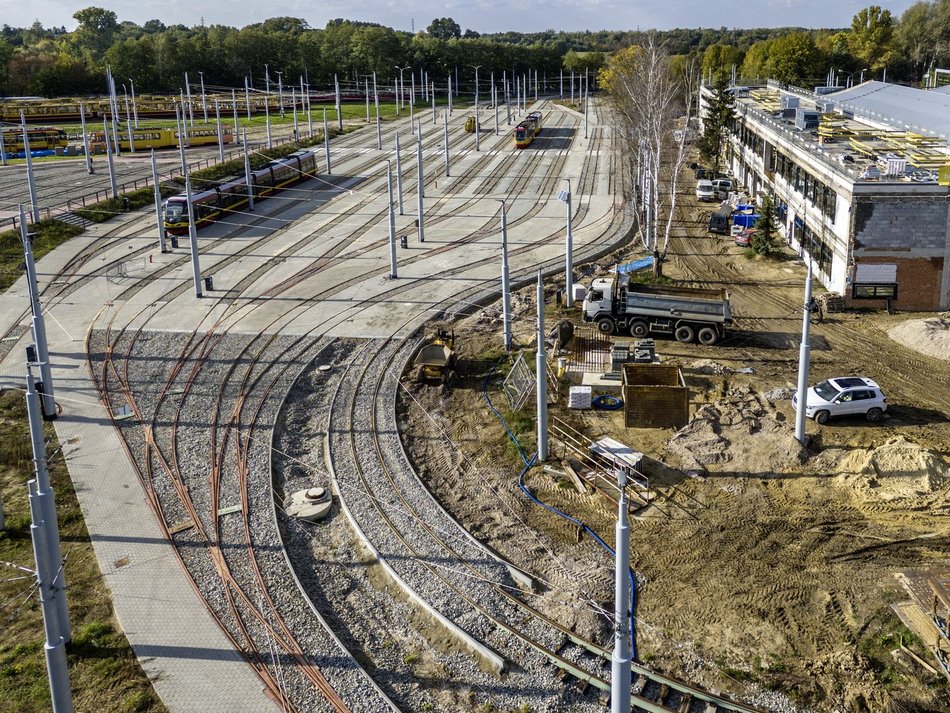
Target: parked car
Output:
{"points": [[744, 238], [844, 396], [705, 191], [721, 220], [723, 187]]}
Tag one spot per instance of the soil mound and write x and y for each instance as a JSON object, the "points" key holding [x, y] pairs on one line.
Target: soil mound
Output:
{"points": [[740, 427], [927, 336], [897, 469]]}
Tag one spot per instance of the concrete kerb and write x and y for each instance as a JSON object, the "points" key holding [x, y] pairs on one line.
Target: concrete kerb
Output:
{"points": [[522, 577], [283, 548], [495, 660]]}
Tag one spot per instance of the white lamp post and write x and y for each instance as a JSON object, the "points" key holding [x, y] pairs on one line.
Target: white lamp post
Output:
{"points": [[204, 103], [569, 252]]}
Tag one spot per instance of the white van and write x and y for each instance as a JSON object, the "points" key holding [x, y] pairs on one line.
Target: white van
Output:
{"points": [[705, 191], [722, 187]]}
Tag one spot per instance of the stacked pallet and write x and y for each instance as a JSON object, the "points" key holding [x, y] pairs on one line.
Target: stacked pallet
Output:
{"points": [[579, 397], [831, 302]]}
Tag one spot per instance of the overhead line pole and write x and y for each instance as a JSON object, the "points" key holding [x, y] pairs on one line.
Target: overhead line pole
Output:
{"points": [[542, 376], [393, 272], [31, 182]]}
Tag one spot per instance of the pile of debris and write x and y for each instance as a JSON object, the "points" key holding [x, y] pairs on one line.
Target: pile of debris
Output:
{"points": [[735, 428]]}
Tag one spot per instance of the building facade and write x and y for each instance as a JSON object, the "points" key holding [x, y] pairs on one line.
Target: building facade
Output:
{"points": [[854, 195]]}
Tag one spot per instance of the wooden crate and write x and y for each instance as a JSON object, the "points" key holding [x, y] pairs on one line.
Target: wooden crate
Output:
{"points": [[654, 396]]}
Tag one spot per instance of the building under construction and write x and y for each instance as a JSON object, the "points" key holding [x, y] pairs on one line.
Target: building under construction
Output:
{"points": [[860, 178]]}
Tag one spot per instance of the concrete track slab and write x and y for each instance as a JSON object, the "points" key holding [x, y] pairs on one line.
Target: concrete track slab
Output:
{"points": [[331, 278]]}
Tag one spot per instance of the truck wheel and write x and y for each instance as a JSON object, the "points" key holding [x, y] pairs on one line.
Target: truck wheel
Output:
{"points": [[639, 328], [605, 326], [708, 336], [822, 416], [684, 333]]}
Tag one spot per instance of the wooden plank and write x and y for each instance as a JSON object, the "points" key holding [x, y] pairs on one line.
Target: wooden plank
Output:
{"points": [[920, 662], [575, 478]]}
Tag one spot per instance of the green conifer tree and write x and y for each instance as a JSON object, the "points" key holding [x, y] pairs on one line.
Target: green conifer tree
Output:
{"points": [[765, 240], [716, 122]]}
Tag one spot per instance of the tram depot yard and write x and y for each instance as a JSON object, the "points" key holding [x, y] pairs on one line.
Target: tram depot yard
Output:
{"points": [[764, 581]]}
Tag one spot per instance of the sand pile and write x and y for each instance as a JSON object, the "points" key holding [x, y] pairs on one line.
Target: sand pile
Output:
{"points": [[898, 469], [927, 336], [741, 428]]}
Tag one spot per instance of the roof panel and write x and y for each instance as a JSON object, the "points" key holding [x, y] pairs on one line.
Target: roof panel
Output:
{"points": [[919, 110]]}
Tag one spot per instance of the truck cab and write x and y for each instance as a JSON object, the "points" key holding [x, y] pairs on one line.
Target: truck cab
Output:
{"points": [[721, 220], [598, 302]]}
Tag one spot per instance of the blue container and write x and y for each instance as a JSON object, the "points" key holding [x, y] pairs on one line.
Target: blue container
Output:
{"points": [[636, 265], [745, 220]]}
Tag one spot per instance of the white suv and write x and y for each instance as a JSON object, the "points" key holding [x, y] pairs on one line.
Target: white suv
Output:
{"points": [[844, 396]]}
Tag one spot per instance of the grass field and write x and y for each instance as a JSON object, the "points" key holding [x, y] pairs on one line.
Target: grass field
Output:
{"points": [[104, 674], [49, 234]]}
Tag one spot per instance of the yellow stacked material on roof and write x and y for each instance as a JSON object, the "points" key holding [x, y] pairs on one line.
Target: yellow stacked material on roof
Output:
{"points": [[831, 127], [930, 159], [861, 147], [768, 99], [764, 95]]}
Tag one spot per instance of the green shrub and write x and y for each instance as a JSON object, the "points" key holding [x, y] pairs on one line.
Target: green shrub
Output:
{"points": [[104, 210], [48, 235]]}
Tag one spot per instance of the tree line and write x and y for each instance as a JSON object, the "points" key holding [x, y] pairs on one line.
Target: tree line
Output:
{"points": [[877, 45], [54, 62]]}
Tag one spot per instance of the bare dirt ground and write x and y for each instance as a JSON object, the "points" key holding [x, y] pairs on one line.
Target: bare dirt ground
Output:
{"points": [[757, 574]]}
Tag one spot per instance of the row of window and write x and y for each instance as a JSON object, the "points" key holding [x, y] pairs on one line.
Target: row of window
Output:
{"points": [[821, 196], [747, 137], [813, 244], [781, 209]]}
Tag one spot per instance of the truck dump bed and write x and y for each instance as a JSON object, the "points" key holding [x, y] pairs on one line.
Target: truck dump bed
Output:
{"points": [[682, 302]]}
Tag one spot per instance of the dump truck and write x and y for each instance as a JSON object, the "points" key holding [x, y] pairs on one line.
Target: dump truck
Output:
{"points": [[688, 313], [436, 358]]}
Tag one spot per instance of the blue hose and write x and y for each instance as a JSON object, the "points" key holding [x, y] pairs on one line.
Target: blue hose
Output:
{"points": [[528, 463]]}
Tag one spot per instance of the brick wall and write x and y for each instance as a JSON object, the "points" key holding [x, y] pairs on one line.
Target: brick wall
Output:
{"points": [[919, 282], [911, 232], [900, 223]]}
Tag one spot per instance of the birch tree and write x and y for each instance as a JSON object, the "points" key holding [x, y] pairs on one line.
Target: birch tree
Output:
{"points": [[654, 105]]}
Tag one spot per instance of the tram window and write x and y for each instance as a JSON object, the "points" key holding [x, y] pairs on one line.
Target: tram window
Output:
{"points": [[174, 212]]}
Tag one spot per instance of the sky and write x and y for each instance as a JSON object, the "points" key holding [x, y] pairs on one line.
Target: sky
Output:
{"points": [[481, 15]]}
